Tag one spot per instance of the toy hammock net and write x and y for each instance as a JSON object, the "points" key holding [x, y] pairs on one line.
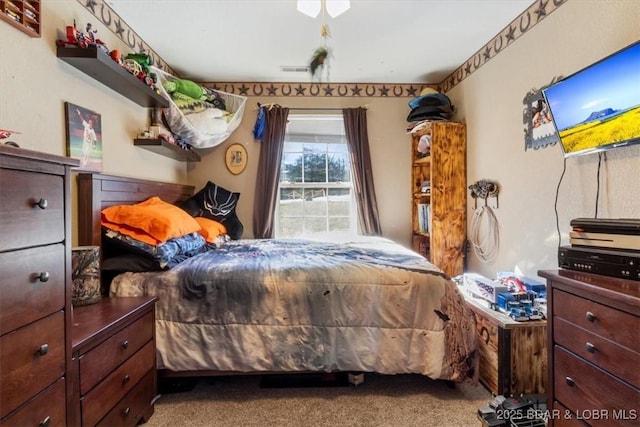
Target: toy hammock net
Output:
{"points": [[201, 116]]}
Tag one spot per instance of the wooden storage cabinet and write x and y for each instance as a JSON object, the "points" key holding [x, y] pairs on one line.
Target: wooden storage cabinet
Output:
{"points": [[35, 286], [442, 237], [593, 330], [114, 361], [22, 14], [513, 355]]}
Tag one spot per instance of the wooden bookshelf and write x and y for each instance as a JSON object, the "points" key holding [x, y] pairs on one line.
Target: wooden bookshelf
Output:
{"points": [[441, 235], [23, 15]]}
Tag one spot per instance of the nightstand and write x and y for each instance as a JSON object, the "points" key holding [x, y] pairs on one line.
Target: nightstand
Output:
{"points": [[113, 372], [513, 355]]}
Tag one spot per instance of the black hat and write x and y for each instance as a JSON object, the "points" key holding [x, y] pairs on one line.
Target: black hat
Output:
{"points": [[426, 112], [430, 99]]}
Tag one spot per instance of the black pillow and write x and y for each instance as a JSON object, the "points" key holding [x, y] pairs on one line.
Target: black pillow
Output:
{"points": [[130, 262], [216, 203]]}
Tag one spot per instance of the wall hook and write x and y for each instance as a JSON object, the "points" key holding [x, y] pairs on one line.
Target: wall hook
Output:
{"points": [[484, 189]]}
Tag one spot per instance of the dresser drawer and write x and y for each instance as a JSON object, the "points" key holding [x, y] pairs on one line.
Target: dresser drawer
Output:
{"points": [[22, 222], [106, 394], [48, 408], [130, 409], [618, 360], [583, 388], [560, 416], [97, 363], [32, 285], [598, 319], [32, 358]]}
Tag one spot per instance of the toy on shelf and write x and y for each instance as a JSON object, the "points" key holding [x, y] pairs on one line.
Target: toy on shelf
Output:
{"points": [[138, 64], [6, 133], [80, 39]]}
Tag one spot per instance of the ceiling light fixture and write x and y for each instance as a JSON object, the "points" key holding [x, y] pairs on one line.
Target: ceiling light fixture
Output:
{"points": [[334, 8]]}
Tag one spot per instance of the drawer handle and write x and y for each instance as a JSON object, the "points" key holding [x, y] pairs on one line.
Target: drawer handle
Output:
{"points": [[45, 422], [126, 411], [570, 381], [591, 317], [44, 349], [590, 347], [43, 276], [125, 344], [126, 379], [42, 204]]}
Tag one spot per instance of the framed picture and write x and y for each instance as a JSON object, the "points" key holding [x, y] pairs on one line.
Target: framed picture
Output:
{"points": [[236, 158], [539, 129], [84, 136]]}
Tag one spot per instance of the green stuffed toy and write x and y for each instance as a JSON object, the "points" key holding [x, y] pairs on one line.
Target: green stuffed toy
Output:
{"points": [[185, 87]]}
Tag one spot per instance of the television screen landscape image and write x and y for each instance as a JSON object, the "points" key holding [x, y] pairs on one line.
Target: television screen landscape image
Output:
{"points": [[598, 107]]}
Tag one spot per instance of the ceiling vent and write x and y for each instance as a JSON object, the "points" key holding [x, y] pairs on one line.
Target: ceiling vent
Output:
{"points": [[294, 68]]}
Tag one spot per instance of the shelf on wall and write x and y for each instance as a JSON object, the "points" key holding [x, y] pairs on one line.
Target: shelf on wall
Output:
{"points": [[160, 146], [97, 64]]}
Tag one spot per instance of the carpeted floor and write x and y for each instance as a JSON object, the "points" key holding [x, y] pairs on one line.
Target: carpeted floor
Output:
{"points": [[382, 400]]}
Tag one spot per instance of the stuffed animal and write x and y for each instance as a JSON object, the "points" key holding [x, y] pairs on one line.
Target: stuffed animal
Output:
{"points": [[185, 87]]}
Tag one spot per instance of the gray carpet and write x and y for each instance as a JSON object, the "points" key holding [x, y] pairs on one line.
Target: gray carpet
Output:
{"points": [[382, 400]]}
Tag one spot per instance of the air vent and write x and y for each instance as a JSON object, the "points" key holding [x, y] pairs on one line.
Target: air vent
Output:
{"points": [[294, 68]]}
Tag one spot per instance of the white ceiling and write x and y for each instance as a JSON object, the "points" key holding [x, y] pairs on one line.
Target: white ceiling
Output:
{"points": [[375, 41]]}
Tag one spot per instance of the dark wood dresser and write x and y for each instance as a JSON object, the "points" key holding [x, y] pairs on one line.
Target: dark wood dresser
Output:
{"points": [[114, 362], [594, 349], [35, 287]]}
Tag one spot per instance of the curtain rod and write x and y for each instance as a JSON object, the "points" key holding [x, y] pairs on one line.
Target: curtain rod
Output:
{"points": [[366, 106]]}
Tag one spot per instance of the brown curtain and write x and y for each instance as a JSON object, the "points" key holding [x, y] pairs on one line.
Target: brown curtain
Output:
{"points": [[355, 124], [269, 172]]}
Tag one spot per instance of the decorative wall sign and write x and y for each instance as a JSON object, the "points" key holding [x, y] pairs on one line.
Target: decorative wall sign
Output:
{"points": [[539, 131], [236, 158], [84, 137]]}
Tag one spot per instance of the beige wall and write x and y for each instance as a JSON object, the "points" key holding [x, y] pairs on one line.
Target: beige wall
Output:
{"points": [[390, 157], [34, 85], [491, 103]]}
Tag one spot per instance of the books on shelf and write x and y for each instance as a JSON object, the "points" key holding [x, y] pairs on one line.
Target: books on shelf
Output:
{"points": [[424, 213]]}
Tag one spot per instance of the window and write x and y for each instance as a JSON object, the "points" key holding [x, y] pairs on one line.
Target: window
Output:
{"points": [[315, 191]]}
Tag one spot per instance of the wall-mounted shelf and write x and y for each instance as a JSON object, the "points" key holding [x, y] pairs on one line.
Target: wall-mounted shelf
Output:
{"points": [[22, 14], [97, 64], [160, 146]]}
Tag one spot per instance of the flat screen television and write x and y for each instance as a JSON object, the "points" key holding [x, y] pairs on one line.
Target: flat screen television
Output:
{"points": [[598, 107]]}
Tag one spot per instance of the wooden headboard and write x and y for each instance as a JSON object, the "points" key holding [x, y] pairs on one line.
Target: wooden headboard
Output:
{"points": [[98, 191]]}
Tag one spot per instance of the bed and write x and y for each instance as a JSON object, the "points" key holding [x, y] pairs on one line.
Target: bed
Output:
{"points": [[363, 304]]}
